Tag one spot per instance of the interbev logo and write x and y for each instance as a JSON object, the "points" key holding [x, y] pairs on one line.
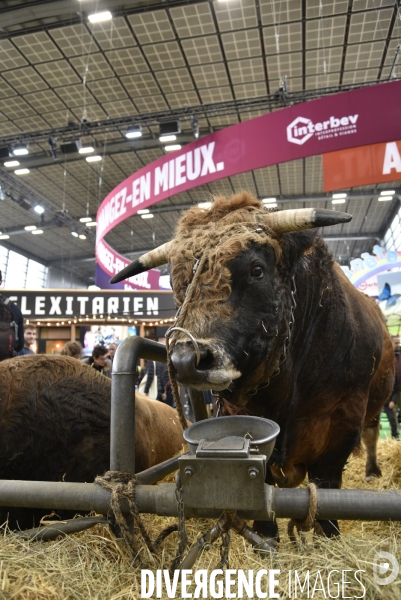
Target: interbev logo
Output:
{"points": [[302, 129]]}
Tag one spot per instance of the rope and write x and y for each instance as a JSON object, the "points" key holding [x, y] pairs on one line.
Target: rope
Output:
{"points": [[170, 346], [310, 521], [122, 487]]}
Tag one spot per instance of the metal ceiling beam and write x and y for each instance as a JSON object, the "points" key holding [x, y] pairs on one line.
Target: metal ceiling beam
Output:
{"points": [[153, 118]]}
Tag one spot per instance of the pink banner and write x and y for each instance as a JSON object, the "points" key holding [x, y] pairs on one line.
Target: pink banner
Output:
{"points": [[364, 116], [111, 262]]}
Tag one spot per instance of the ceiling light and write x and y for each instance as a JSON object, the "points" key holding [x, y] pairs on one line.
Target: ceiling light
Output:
{"points": [[99, 17], [2, 192], [167, 138], [135, 131], [338, 196], [172, 147], [338, 201], [268, 200], [204, 204], [91, 224], [37, 232], [4, 237], [39, 209], [21, 171], [387, 193], [30, 228], [85, 219], [95, 158], [82, 236], [385, 198], [20, 150], [86, 149], [270, 204], [12, 163], [143, 211], [148, 216], [74, 233]]}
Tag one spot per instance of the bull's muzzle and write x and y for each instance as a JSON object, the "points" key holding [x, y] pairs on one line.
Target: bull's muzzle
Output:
{"points": [[209, 370]]}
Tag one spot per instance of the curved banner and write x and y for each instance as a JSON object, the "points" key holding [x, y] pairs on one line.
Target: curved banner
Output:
{"points": [[364, 116]]}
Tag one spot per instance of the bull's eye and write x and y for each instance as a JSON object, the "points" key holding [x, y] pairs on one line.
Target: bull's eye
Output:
{"points": [[257, 272]]}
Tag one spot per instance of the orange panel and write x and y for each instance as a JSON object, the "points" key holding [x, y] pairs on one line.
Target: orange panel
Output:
{"points": [[362, 166]]}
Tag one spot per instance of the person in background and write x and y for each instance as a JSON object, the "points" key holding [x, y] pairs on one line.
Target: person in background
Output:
{"points": [[73, 349], [29, 340], [162, 378], [19, 320], [99, 360], [112, 350]]}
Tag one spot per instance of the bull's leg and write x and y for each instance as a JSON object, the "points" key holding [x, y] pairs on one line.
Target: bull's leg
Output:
{"points": [[268, 530], [370, 435], [327, 473]]}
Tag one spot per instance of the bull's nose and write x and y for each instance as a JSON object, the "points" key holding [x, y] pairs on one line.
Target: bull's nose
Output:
{"points": [[184, 361]]}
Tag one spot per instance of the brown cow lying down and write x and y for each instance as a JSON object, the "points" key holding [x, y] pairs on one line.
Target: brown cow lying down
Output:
{"points": [[55, 425]]}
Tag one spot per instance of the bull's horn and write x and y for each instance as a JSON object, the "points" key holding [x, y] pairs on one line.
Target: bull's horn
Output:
{"points": [[304, 218], [154, 258]]}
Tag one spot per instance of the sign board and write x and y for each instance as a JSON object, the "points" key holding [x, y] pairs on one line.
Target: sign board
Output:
{"points": [[41, 305]]}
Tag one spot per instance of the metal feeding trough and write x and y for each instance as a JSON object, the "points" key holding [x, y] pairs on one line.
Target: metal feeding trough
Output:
{"points": [[226, 468], [254, 432]]}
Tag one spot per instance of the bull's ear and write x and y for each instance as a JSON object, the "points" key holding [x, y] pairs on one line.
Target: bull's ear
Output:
{"points": [[295, 245]]}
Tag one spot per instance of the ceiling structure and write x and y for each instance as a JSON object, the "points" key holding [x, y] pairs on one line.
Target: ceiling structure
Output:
{"points": [[223, 62]]}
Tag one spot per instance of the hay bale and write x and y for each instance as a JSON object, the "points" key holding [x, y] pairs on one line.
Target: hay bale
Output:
{"points": [[93, 564]]}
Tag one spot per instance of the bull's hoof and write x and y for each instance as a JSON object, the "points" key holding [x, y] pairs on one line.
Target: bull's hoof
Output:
{"points": [[373, 472]]}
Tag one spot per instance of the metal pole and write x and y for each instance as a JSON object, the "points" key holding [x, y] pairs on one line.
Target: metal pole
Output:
{"points": [[161, 500], [159, 472], [198, 405], [122, 425]]}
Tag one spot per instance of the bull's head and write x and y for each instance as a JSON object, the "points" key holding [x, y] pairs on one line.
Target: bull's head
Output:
{"points": [[237, 301]]}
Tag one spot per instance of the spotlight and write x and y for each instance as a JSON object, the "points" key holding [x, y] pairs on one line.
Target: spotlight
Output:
{"points": [[39, 209], [21, 171], [172, 147], [2, 191], [74, 233], [135, 131], [95, 158], [12, 163], [195, 126], [20, 150], [53, 147]]}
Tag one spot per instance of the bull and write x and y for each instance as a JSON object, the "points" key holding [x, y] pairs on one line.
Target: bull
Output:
{"points": [[277, 329], [55, 425]]}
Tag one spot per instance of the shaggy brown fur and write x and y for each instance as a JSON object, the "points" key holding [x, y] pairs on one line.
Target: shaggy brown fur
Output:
{"points": [[55, 422], [224, 230]]}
